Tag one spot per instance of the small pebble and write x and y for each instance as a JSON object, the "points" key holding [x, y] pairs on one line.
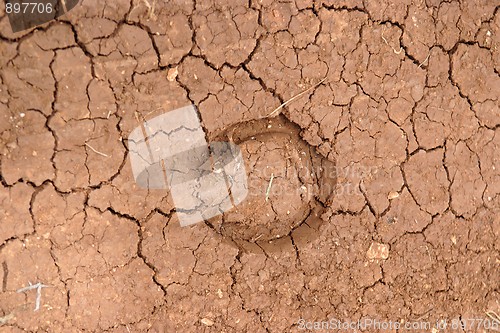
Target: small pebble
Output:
{"points": [[378, 251], [12, 145], [207, 322], [392, 195], [172, 74]]}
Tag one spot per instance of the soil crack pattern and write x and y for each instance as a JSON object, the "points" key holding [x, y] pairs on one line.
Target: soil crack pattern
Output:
{"points": [[374, 190]]}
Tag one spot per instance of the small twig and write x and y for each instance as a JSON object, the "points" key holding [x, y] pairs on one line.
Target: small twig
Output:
{"points": [[38, 286], [269, 186], [294, 98], [96, 151]]}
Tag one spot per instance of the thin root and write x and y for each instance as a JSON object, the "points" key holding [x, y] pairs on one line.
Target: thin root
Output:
{"points": [[38, 286], [425, 60], [294, 98], [387, 43], [151, 8], [96, 151], [494, 317]]}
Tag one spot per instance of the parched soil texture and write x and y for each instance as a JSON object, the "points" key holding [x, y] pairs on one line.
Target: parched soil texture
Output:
{"points": [[374, 192]]}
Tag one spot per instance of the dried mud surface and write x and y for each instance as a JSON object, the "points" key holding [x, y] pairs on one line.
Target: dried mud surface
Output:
{"points": [[289, 184], [409, 112]]}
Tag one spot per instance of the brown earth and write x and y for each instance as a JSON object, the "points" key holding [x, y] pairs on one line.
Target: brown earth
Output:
{"points": [[288, 183], [409, 114]]}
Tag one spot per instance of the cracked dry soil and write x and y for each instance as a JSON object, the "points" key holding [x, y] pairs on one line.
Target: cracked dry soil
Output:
{"points": [[409, 113]]}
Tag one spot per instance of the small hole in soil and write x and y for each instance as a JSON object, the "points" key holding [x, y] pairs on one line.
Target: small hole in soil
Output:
{"points": [[289, 184]]}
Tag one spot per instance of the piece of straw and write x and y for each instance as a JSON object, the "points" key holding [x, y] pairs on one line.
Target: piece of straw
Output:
{"points": [[96, 151], [294, 98], [38, 286], [269, 186]]}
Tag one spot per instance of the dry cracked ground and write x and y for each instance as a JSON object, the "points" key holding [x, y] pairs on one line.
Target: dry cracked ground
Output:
{"points": [[409, 112]]}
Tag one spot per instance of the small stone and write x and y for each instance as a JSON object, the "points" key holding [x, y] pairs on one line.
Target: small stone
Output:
{"points": [[392, 195], [207, 322], [12, 145], [378, 251], [392, 219], [172, 74]]}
